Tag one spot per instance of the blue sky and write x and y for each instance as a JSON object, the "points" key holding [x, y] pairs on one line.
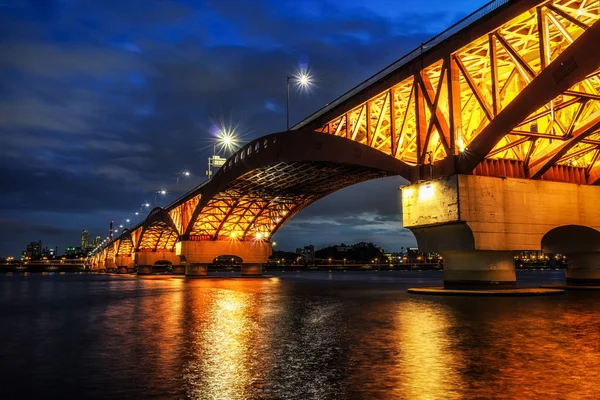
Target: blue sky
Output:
{"points": [[102, 102]]}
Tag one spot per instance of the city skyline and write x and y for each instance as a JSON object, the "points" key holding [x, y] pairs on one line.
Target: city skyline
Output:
{"points": [[115, 94]]}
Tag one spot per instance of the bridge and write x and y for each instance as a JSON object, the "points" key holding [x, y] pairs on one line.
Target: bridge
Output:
{"points": [[495, 123]]}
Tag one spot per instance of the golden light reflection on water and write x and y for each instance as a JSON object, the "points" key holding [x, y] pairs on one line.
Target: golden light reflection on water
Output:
{"points": [[426, 362], [223, 354]]}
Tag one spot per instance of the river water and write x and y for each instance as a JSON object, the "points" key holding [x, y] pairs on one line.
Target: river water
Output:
{"points": [[297, 336]]}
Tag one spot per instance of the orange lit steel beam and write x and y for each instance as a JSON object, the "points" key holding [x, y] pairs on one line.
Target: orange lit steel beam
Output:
{"points": [[455, 113], [168, 239], [543, 36], [576, 154], [474, 88], [574, 64], [546, 112], [227, 214], [543, 164], [593, 177], [392, 111], [494, 74], [369, 134], [566, 16], [258, 214], [404, 118], [508, 146], [593, 165], [347, 125], [379, 119], [437, 116]]}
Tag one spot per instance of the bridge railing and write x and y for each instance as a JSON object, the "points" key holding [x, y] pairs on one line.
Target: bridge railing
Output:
{"points": [[423, 48]]}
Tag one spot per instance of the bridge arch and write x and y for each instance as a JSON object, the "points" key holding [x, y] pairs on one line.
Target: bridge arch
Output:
{"points": [[571, 239], [125, 245], [581, 244], [269, 180], [158, 232]]}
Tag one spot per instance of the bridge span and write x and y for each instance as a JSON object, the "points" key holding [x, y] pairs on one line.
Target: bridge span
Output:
{"points": [[495, 122]]}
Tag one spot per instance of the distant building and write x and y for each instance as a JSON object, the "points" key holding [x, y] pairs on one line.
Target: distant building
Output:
{"points": [[33, 250], [85, 239], [306, 253], [97, 241]]}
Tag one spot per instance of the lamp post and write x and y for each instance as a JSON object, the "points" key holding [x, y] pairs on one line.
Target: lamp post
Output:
{"points": [[227, 141], [147, 205], [163, 192], [303, 80], [181, 173]]}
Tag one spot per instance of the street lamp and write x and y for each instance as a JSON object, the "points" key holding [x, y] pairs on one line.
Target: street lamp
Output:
{"points": [[128, 223], [142, 207], [227, 141], [181, 173], [162, 191], [303, 80]]}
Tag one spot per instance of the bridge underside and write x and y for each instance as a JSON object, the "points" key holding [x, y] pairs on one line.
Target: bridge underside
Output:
{"points": [[256, 204]]}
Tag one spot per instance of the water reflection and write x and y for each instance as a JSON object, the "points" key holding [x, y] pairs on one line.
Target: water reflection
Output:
{"points": [[290, 339], [224, 330], [427, 358]]}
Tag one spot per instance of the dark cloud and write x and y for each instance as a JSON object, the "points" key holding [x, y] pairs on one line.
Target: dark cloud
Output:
{"points": [[102, 102]]}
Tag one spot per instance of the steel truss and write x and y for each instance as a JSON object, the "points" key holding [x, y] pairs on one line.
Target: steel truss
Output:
{"points": [[436, 113], [255, 205]]}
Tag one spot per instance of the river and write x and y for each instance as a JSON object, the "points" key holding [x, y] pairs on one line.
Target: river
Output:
{"points": [[310, 335]]}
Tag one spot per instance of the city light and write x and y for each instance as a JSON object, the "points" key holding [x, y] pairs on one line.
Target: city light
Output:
{"points": [[227, 140], [162, 192], [181, 173], [303, 81]]}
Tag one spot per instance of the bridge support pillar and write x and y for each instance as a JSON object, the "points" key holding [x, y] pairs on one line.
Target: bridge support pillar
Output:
{"points": [[196, 269], [111, 266], [144, 269], [125, 263], [251, 270], [179, 269], [205, 251], [479, 270], [583, 269], [477, 223]]}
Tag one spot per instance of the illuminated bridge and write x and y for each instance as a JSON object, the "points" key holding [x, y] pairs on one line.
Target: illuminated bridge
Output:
{"points": [[495, 122]]}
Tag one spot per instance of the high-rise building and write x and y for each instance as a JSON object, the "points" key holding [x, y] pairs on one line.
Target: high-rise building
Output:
{"points": [[97, 241], [34, 250], [85, 239]]}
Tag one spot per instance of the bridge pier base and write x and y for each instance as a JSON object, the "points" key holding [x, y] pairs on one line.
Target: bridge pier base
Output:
{"points": [[251, 270], [122, 270], [178, 269], [479, 270], [144, 269], [583, 269], [196, 269]]}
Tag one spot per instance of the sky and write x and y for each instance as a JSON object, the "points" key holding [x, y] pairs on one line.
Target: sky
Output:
{"points": [[103, 102]]}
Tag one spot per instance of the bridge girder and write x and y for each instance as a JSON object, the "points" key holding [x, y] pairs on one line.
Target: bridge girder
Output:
{"points": [[158, 232], [495, 99], [124, 244], [271, 179]]}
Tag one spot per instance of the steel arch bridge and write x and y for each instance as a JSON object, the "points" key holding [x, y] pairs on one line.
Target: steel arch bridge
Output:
{"points": [[512, 90]]}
